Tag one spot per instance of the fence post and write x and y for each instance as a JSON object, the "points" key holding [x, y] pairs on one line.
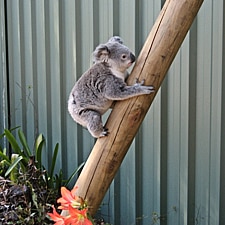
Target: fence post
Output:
{"points": [[152, 64]]}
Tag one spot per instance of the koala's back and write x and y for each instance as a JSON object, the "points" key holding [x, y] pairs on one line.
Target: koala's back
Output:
{"points": [[89, 90]]}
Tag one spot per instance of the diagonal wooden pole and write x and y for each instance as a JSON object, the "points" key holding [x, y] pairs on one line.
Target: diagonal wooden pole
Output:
{"points": [[152, 64]]}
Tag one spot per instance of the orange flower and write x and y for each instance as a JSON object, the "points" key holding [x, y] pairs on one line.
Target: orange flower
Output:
{"points": [[58, 219], [69, 198], [77, 217], [75, 205]]}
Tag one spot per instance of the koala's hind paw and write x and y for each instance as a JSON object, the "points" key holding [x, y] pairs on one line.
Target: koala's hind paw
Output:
{"points": [[104, 133]]}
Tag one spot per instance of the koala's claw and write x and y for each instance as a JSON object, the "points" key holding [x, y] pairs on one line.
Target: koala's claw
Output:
{"points": [[105, 129], [142, 82], [139, 83], [105, 132]]}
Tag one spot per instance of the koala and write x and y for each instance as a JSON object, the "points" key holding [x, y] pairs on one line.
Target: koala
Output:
{"points": [[103, 83]]}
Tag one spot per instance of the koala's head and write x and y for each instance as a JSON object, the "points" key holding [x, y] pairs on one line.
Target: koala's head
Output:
{"points": [[117, 55]]}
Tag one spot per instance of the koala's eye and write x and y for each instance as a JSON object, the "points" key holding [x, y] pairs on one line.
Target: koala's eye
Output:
{"points": [[124, 56]]}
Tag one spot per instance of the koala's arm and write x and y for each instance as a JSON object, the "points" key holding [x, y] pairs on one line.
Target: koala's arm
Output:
{"points": [[116, 89]]}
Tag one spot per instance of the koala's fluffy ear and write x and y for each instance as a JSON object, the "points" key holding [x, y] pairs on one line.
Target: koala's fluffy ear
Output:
{"points": [[101, 53], [116, 39]]}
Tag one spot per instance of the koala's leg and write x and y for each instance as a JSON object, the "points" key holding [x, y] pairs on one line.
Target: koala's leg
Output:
{"points": [[94, 123]]}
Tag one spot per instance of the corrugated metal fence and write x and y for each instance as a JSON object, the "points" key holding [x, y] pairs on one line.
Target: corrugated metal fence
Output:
{"points": [[174, 173]]}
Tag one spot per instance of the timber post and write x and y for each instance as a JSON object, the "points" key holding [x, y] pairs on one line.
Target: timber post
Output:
{"points": [[152, 64]]}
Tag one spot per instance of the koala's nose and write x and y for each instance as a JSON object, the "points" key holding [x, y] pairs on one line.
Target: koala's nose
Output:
{"points": [[132, 57]]}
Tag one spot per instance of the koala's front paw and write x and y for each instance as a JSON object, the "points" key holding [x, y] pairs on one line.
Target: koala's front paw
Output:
{"points": [[147, 89]]}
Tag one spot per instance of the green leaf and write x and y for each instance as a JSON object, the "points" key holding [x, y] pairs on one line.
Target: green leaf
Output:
{"points": [[24, 143], [16, 160], [34, 198], [16, 147], [38, 149], [39, 139], [2, 135], [13, 142], [55, 153], [4, 156], [58, 180], [67, 182]]}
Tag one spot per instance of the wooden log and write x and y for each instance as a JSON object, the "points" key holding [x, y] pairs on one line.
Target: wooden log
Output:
{"points": [[152, 64]]}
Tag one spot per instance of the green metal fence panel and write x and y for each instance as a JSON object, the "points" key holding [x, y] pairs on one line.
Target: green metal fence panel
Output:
{"points": [[3, 74], [173, 173]]}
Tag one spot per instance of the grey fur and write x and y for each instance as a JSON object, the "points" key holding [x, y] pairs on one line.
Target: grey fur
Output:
{"points": [[95, 91], [116, 39]]}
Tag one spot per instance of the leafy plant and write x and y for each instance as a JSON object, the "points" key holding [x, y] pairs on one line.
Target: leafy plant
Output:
{"points": [[20, 160], [27, 189]]}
